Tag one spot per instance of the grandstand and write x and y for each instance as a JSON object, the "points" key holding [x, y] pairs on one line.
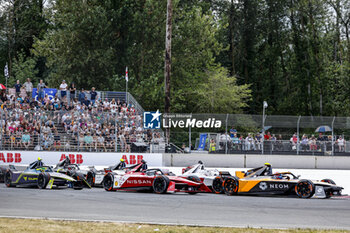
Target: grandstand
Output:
{"points": [[114, 123]]}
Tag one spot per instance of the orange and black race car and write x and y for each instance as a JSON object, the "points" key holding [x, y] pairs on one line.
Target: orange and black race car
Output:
{"points": [[262, 181]]}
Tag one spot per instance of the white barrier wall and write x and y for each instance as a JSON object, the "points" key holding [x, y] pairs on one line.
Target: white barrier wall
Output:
{"points": [[249, 161], [82, 158]]}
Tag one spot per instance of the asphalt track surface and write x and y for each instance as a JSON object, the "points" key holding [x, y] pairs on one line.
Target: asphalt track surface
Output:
{"points": [[179, 208]]}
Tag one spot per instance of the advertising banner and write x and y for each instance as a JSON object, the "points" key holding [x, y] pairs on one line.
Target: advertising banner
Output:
{"points": [[81, 158], [50, 91]]}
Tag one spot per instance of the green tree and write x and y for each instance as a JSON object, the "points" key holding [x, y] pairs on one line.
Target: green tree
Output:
{"points": [[23, 68], [221, 94]]}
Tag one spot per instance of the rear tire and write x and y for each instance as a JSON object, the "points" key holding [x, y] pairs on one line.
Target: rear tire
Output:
{"points": [[305, 189], [43, 180], [108, 181], [217, 185], [8, 179], [230, 185], [90, 178], [160, 184], [78, 184]]}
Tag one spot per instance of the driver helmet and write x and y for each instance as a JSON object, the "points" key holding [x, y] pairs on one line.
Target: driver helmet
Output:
{"points": [[143, 161], [39, 159], [121, 160], [200, 162], [268, 164]]}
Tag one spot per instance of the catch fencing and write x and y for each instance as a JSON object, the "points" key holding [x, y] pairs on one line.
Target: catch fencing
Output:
{"points": [[271, 134]]}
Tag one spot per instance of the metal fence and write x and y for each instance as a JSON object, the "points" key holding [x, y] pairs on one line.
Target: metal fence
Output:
{"points": [[272, 134]]}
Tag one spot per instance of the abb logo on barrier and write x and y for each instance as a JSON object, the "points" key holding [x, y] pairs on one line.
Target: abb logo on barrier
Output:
{"points": [[133, 159], [78, 158], [11, 158]]}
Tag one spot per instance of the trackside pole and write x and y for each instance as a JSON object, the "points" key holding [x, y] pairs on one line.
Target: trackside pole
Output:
{"points": [[333, 135]]}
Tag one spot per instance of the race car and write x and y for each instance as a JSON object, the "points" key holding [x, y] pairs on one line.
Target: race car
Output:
{"points": [[207, 176], [98, 175], [41, 176], [262, 181], [139, 178], [73, 170]]}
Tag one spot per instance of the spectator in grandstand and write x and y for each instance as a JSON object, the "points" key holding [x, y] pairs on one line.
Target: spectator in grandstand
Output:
{"points": [[18, 87], [101, 143], [81, 97], [225, 139], [233, 131], [294, 141], [258, 141], [249, 142], [72, 90], [3, 98], [81, 141], [93, 95], [88, 140], [212, 146], [28, 86], [57, 141], [47, 141], [267, 136], [236, 142], [304, 143], [26, 140], [63, 89], [341, 144], [86, 102], [40, 90]]}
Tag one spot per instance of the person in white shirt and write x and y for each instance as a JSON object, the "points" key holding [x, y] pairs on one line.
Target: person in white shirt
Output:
{"points": [[28, 86], [63, 88], [341, 144]]}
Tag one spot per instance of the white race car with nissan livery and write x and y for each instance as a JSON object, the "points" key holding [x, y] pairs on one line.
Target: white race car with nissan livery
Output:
{"points": [[139, 179], [210, 177]]}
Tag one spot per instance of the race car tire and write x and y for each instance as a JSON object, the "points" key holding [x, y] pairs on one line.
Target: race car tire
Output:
{"points": [[329, 181], [8, 179], [192, 190], [194, 178], [43, 180], [108, 181], [90, 178], [217, 185], [230, 185], [305, 189], [160, 184], [78, 184]]}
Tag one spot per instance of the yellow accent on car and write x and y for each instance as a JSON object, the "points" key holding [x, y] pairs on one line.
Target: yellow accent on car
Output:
{"points": [[51, 183], [116, 183]]}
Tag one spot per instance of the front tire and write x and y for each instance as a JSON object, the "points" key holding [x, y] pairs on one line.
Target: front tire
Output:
{"points": [[43, 180], [217, 185], [8, 179], [108, 181], [160, 184], [230, 185], [305, 189]]}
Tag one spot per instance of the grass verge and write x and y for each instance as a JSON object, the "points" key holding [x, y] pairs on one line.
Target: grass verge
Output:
{"points": [[10, 225]]}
